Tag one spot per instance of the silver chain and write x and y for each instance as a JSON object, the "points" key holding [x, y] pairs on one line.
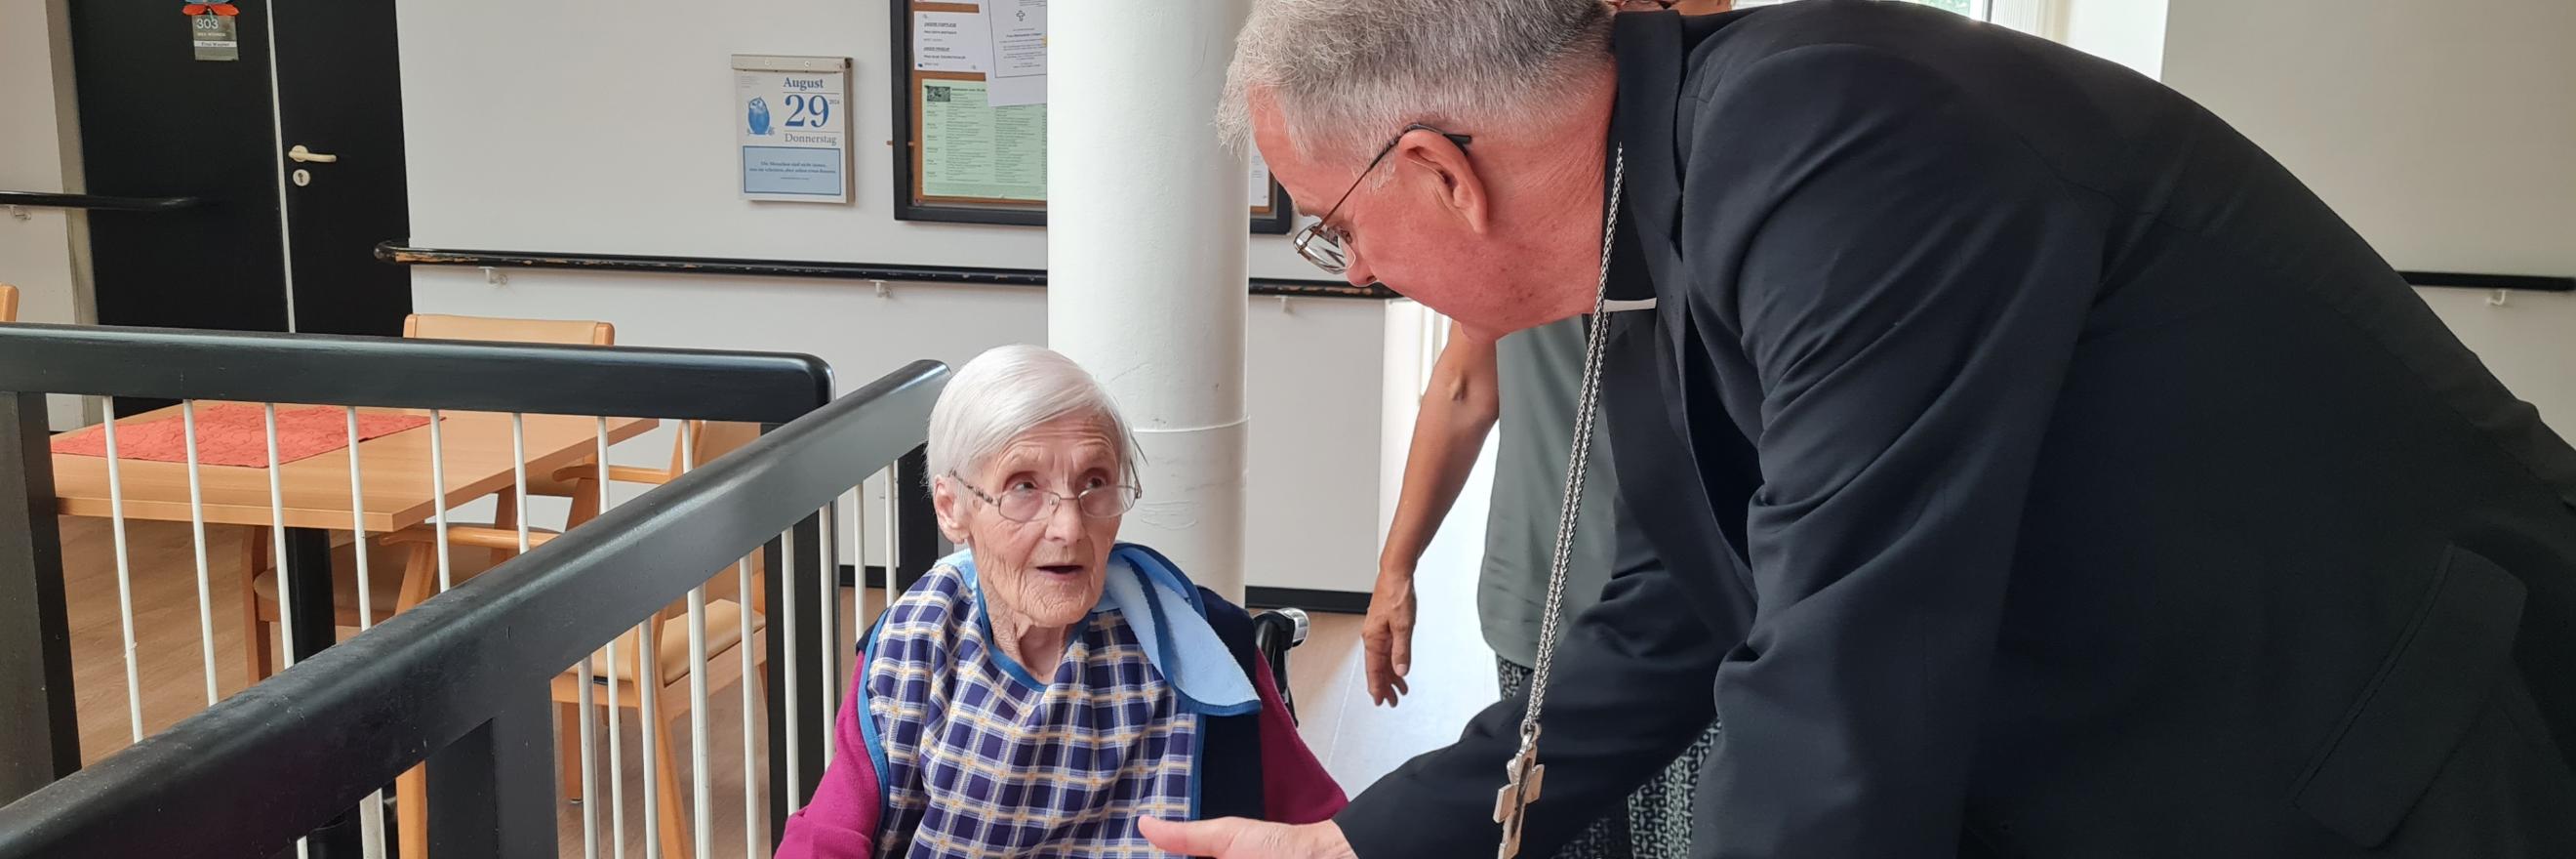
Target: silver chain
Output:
{"points": [[1576, 461]]}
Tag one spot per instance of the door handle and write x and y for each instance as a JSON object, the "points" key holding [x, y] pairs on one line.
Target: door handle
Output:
{"points": [[301, 155]]}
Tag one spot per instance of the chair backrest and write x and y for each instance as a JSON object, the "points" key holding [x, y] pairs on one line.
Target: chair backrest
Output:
{"points": [[495, 329], [710, 439], [8, 303], [432, 326], [707, 440]]}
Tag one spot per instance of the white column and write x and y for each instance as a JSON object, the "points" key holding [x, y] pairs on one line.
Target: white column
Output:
{"points": [[1146, 245]]}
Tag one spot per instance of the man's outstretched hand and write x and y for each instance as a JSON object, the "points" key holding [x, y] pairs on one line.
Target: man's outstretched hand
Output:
{"points": [[1239, 838]]}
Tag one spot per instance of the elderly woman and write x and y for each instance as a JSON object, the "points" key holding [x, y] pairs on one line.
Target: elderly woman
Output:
{"points": [[1044, 688]]}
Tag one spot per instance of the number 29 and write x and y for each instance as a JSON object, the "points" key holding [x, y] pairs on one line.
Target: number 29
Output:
{"points": [[808, 111]]}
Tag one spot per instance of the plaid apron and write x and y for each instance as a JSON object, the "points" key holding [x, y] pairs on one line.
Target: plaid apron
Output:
{"points": [[976, 758]]}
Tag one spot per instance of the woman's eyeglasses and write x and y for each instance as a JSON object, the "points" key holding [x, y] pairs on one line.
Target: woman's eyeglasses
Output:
{"points": [[1025, 503], [1327, 246]]}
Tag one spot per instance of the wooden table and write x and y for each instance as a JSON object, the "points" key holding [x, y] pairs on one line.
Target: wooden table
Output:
{"points": [[394, 471]]}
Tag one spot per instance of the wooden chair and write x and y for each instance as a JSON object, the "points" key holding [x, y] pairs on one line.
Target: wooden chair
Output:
{"points": [[413, 551], [8, 303], [474, 547], [495, 329], [727, 630], [492, 329]]}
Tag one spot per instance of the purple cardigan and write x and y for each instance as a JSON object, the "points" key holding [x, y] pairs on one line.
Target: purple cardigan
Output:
{"points": [[842, 821]]}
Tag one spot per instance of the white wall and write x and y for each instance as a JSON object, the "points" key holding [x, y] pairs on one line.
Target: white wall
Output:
{"points": [[1315, 374], [574, 128], [43, 252], [2128, 32], [2444, 132]]}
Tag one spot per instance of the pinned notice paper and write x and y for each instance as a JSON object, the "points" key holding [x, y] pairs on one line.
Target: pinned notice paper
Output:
{"points": [[1260, 184], [951, 42], [1019, 33], [974, 151]]}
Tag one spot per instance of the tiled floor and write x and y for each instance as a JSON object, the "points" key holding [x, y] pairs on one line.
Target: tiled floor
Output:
{"points": [[1453, 670], [1452, 677]]}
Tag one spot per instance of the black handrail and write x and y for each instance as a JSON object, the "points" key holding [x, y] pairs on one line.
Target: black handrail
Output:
{"points": [[39, 745], [402, 254], [2531, 282], [96, 202], [170, 363], [460, 680]]}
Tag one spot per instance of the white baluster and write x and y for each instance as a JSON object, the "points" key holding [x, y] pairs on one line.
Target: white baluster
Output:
{"points": [[699, 774], [750, 752], [893, 531], [616, 719], [371, 811], [124, 574], [787, 635], [197, 522], [828, 596], [277, 545], [438, 501], [277, 537], [648, 687]]}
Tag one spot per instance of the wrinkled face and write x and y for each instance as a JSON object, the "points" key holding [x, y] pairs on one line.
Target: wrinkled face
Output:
{"points": [[1047, 571], [1425, 223]]}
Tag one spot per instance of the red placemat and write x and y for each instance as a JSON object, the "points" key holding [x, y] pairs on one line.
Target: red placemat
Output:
{"points": [[233, 434]]}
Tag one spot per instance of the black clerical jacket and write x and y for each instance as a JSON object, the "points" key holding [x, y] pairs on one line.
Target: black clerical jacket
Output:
{"points": [[2021, 463]]}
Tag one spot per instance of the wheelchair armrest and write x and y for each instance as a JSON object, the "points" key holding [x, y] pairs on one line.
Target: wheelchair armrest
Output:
{"points": [[1274, 632]]}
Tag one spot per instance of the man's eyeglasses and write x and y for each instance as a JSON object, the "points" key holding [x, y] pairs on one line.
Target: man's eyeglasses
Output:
{"points": [[1326, 245], [1025, 503]]}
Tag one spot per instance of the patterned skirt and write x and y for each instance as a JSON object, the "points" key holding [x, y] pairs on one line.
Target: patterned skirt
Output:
{"points": [[1658, 822]]}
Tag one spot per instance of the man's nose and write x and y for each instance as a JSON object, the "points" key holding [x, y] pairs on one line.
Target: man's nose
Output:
{"points": [[1358, 271]]}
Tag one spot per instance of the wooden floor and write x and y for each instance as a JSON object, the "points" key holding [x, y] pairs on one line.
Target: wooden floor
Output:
{"points": [[1453, 673]]}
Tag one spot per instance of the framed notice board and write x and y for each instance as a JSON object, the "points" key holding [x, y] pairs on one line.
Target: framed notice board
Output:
{"points": [[970, 117]]}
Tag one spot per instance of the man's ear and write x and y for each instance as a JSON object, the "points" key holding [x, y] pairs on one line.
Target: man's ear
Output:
{"points": [[1446, 173], [951, 509]]}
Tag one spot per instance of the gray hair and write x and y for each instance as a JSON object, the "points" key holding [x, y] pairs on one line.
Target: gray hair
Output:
{"points": [[1007, 391], [1348, 75]]}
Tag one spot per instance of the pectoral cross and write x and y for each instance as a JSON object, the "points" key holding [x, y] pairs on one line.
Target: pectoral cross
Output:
{"points": [[1511, 803]]}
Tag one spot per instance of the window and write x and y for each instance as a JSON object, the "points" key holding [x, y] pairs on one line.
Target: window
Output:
{"points": [[1970, 8]]}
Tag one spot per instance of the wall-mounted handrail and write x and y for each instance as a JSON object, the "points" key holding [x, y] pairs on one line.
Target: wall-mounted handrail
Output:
{"points": [[2464, 280], [403, 254], [95, 202]]}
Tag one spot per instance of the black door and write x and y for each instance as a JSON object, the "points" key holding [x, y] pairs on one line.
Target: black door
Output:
{"points": [[339, 95], [280, 244], [157, 122]]}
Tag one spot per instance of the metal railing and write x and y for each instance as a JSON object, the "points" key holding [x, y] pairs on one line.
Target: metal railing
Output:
{"points": [[466, 681]]}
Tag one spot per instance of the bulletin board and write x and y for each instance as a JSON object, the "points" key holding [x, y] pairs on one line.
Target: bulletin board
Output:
{"points": [[970, 117]]}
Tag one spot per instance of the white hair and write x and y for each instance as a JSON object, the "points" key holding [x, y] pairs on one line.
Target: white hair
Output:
{"points": [[1007, 391], [1349, 75]]}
